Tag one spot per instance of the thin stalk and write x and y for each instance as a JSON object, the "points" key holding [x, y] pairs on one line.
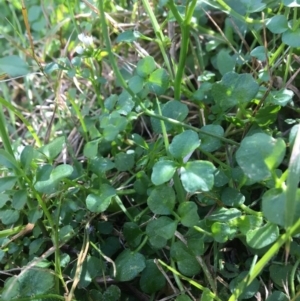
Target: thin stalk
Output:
{"points": [[4, 135], [191, 281], [161, 39], [185, 32], [292, 182], [264, 261], [292, 278], [24, 120]]}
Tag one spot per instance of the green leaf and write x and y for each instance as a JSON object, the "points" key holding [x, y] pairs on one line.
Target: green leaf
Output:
{"points": [[280, 274], [133, 234], [184, 144], [135, 84], [163, 171], [267, 115], [100, 165], [113, 293], [65, 233], [160, 231], [35, 281], [162, 200], [232, 197], [34, 214], [249, 291], [7, 183], [291, 37], [225, 62], [291, 3], [27, 155], [128, 36], [110, 102], [152, 280], [8, 160], [277, 24], [19, 199], [186, 262], [48, 184], [259, 52], [253, 6], [184, 298], [13, 66], [172, 109], [293, 134], [35, 246], [91, 268], [158, 81], [278, 296], [195, 242], [263, 236], [246, 223], [99, 202], [188, 214], [91, 149], [281, 97], [54, 148], [222, 232], [110, 132], [234, 89], [125, 103], [221, 178], [197, 176], [260, 154], [224, 214], [9, 216], [11, 289], [125, 161], [129, 265], [273, 206], [208, 143], [145, 66]]}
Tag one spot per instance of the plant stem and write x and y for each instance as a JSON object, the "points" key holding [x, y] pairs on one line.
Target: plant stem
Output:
{"points": [[264, 261]]}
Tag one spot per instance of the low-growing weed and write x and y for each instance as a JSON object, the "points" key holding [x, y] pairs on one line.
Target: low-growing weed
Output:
{"points": [[150, 150]]}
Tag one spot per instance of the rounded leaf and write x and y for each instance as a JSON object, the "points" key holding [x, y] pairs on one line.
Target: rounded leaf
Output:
{"points": [[234, 89], [222, 232], [259, 154], [277, 24], [263, 236], [184, 144], [160, 231], [152, 280], [163, 171], [188, 214], [186, 262], [35, 282], [145, 66], [249, 291], [158, 81], [129, 265], [278, 296], [232, 197], [99, 202], [173, 109], [197, 176], [209, 143], [124, 161], [136, 84], [162, 200], [291, 37], [133, 234]]}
